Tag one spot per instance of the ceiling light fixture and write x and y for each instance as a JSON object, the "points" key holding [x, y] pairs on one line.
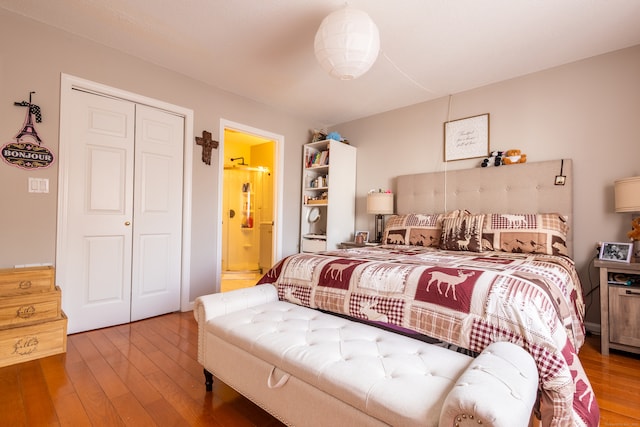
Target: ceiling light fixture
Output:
{"points": [[347, 43]]}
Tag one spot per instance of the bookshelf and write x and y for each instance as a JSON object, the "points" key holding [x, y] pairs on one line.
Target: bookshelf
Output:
{"points": [[328, 195]]}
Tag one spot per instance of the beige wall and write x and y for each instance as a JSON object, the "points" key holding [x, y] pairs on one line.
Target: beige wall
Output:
{"points": [[587, 111], [32, 57]]}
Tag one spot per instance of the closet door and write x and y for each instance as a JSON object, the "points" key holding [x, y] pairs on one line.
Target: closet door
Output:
{"points": [[94, 268], [157, 216], [121, 235]]}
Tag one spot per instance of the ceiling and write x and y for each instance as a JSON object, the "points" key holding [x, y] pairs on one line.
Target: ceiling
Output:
{"points": [[263, 49]]}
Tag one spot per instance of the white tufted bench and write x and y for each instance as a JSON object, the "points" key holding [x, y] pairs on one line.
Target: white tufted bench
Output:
{"points": [[311, 368]]}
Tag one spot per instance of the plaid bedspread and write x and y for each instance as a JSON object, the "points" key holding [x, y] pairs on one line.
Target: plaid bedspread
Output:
{"points": [[464, 298]]}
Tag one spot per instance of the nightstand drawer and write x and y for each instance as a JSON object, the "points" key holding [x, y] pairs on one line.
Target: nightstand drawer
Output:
{"points": [[624, 312]]}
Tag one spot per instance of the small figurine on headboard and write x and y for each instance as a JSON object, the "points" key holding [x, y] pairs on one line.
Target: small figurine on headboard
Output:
{"points": [[207, 144], [513, 157]]}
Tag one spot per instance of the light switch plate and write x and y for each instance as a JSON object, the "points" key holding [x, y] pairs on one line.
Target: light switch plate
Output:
{"points": [[38, 185]]}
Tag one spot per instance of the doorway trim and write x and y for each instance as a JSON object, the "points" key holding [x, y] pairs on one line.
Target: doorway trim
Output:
{"points": [[278, 159], [69, 83]]}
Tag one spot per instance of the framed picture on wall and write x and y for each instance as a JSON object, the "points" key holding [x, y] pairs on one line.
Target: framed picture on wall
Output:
{"points": [[466, 138], [615, 251]]}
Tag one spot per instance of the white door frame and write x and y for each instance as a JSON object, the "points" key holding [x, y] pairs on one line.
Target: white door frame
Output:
{"points": [[278, 160], [69, 83]]}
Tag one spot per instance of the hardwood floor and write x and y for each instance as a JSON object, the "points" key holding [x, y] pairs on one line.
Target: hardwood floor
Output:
{"points": [[616, 383], [141, 374], [146, 374]]}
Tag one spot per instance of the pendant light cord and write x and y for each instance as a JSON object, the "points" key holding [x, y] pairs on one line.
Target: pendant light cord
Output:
{"points": [[407, 76], [426, 89]]}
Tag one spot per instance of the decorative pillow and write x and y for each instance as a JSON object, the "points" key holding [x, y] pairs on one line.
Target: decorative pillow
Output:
{"points": [[544, 233], [463, 233], [413, 229], [417, 229]]}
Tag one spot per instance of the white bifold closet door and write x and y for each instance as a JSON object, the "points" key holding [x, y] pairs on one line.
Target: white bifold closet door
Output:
{"points": [[122, 212]]}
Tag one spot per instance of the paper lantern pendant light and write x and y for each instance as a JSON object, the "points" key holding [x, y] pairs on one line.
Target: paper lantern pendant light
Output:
{"points": [[347, 43]]}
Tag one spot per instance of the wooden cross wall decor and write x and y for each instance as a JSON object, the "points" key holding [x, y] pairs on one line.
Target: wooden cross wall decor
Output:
{"points": [[207, 144]]}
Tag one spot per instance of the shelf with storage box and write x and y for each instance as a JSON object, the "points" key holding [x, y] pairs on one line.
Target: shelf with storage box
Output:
{"points": [[328, 195], [619, 306], [32, 323]]}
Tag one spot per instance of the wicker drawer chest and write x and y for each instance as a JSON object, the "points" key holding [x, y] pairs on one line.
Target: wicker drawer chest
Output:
{"points": [[32, 323]]}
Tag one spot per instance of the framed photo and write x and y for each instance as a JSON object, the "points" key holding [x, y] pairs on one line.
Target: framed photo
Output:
{"points": [[364, 234], [466, 138], [615, 251]]}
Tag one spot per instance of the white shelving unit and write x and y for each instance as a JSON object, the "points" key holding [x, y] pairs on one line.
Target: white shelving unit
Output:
{"points": [[328, 195]]}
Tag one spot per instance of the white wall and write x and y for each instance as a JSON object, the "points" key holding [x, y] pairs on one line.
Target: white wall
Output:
{"points": [[32, 57], [587, 111]]}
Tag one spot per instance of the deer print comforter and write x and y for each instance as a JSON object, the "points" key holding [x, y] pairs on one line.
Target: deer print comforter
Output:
{"points": [[463, 298]]}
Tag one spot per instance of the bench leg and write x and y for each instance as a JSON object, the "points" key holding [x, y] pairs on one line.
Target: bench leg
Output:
{"points": [[208, 380]]}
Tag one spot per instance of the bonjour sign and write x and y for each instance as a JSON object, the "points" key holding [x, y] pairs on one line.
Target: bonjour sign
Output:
{"points": [[27, 155]]}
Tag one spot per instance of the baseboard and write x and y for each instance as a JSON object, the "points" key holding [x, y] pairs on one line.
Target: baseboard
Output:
{"points": [[594, 328]]}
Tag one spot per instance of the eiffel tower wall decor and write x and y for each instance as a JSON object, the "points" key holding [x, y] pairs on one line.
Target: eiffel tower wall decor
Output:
{"points": [[26, 151]]}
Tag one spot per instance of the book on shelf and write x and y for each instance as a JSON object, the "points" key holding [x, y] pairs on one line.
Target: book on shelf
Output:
{"points": [[318, 158]]}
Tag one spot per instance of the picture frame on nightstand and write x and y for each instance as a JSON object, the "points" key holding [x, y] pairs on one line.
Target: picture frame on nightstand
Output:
{"points": [[616, 251], [363, 234]]}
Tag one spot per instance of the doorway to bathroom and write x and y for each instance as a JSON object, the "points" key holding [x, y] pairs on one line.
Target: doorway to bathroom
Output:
{"points": [[248, 206]]}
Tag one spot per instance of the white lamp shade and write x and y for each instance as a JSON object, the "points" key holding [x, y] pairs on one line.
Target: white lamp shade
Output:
{"points": [[347, 43], [380, 203], [627, 194]]}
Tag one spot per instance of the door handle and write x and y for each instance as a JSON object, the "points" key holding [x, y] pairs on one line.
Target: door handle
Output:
{"points": [[127, 223]]}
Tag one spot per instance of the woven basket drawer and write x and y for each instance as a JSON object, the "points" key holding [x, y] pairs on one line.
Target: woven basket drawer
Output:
{"points": [[23, 343], [30, 308], [23, 280]]}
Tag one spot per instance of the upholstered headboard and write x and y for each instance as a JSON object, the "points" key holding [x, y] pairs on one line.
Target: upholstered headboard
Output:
{"points": [[520, 188]]}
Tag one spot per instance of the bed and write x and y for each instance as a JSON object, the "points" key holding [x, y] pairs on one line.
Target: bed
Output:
{"points": [[472, 257]]}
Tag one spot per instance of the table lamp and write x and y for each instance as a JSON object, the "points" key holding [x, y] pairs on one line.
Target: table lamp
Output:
{"points": [[627, 199], [379, 204]]}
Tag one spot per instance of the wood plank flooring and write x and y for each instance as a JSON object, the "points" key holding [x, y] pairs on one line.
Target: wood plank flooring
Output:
{"points": [[146, 374], [140, 374]]}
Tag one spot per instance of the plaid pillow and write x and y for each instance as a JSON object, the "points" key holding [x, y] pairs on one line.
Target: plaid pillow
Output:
{"points": [[416, 229], [544, 233]]}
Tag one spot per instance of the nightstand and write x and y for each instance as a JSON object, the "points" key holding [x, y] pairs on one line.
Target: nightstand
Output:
{"points": [[347, 245], [619, 306]]}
